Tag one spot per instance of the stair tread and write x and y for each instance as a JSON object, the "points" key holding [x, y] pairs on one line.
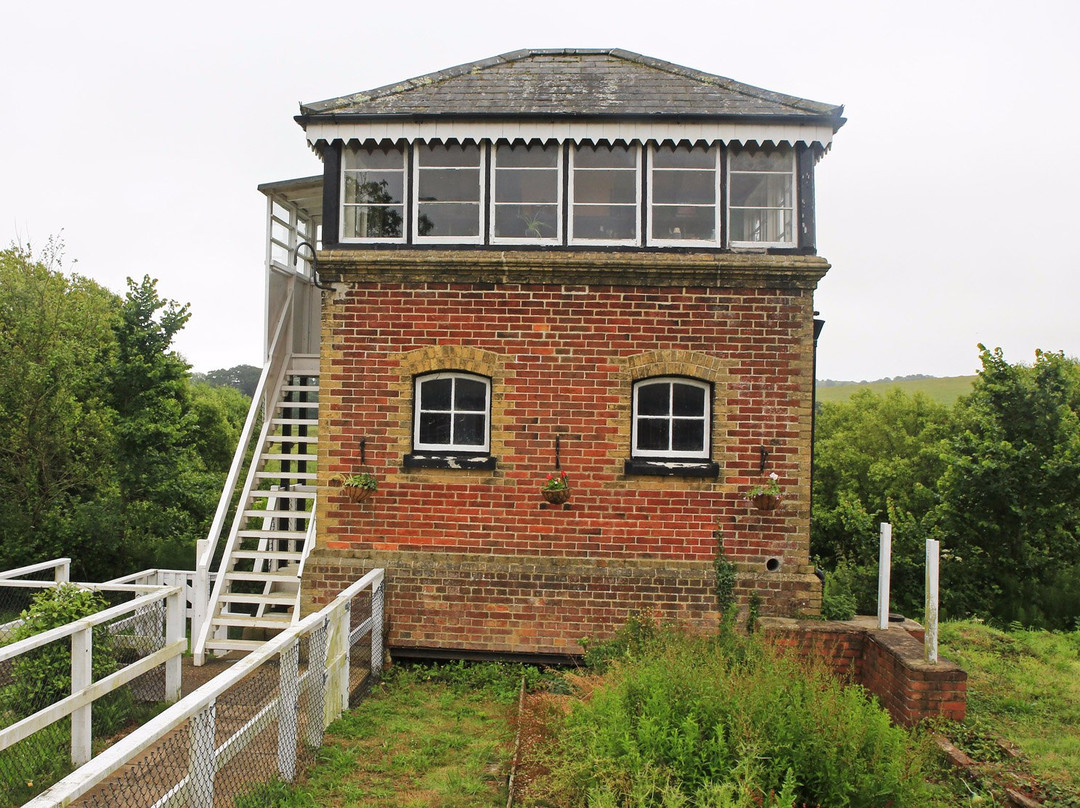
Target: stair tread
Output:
{"points": [[234, 645], [298, 514], [294, 421], [307, 458], [295, 492], [286, 475], [257, 598], [250, 621], [272, 534], [292, 439], [279, 555]]}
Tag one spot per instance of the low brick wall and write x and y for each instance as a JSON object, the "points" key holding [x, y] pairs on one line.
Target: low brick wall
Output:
{"points": [[887, 663]]}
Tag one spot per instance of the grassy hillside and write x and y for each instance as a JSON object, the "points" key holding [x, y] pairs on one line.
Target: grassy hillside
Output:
{"points": [[944, 390]]}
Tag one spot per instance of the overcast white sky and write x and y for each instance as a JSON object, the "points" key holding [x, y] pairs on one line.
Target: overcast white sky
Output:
{"points": [[948, 205]]}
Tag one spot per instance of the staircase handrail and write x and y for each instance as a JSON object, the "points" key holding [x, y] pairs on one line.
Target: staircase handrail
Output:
{"points": [[227, 490]]}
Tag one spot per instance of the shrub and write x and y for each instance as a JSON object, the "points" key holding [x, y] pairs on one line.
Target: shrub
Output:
{"points": [[837, 601], [43, 676], [722, 721]]}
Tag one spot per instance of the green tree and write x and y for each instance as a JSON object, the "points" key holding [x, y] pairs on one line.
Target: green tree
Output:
{"points": [[1010, 510], [244, 378], [877, 459], [56, 337]]}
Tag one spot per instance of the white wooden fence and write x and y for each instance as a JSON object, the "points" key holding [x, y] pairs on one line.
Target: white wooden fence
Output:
{"points": [[84, 691], [197, 735]]}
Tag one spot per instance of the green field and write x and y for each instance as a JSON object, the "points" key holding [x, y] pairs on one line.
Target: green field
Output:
{"points": [[944, 390]]}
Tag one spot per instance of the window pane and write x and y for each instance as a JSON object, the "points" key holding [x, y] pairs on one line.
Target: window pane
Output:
{"points": [[470, 395], [435, 427], [682, 157], [469, 430], [442, 219], [608, 222], [687, 436], [449, 185], [761, 225], [439, 154], [654, 399], [605, 186], [374, 159], [684, 223], [777, 160], [526, 186], [688, 400], [435, 394], [761, 190], [519, 155], [652, 434], [373, 221], [685, 187], [374, 186], [526, 221], [603, 157]]}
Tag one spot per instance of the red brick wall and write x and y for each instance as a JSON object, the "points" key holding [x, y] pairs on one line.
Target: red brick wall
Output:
{"points": [[890, 664], [563, 338]]}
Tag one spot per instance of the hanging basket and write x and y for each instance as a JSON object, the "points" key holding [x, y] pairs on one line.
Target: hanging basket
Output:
{"points": [[556, 496], [766, 502], [357, 494]]}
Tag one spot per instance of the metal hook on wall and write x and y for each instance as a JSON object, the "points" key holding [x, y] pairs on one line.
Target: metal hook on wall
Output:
{"points": [[558, 445], [764, 459], [363, 451]]}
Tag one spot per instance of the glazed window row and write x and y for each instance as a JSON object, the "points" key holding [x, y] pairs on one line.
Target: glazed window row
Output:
{"points": [[670, 429], [568, 194]]}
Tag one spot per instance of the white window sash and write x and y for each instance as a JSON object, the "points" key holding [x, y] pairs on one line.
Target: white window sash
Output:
{"points": [[668, 242], [673, 454], [417, 169], [419, 446], [571, 203], [792, 173], [404, 205]]}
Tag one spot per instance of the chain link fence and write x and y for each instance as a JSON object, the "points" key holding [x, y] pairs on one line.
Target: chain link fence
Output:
{"points": [[257, 723], [48, 716]]}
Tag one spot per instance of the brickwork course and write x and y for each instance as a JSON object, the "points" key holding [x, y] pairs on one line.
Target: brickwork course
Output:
{"points": [[476, 559]]}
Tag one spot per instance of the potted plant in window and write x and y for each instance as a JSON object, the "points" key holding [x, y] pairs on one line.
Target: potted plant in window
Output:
{"points": [[766, 497], [556, 488], [358, 487]]}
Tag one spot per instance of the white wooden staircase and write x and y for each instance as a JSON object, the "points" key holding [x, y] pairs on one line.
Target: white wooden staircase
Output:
{"points": [[257, 589]]}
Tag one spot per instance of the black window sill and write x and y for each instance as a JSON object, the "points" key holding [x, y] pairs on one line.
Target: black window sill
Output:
{"points": [[448, 460], [672, 468]]}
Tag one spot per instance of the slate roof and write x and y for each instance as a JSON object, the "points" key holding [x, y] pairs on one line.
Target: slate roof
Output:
{"points": [[571, 83]]}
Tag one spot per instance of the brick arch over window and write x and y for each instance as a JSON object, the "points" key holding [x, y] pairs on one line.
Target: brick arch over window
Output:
{"points": [[687, 364], [461, 358]]}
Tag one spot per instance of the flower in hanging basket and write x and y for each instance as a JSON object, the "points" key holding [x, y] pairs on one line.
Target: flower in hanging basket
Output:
{"points": [[767, 497], [358, 487], [556, 488]]}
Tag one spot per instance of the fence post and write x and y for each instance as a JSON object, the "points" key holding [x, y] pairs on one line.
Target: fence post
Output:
{"points": [[200, 593], [174, 630], [930, 638], [201, 759], [313, 724], [81, 678], [62, 571], [288, 710], [336, 643], [884, 571], [377, 597]]}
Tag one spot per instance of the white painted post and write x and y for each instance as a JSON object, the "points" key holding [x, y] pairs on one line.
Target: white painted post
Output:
{"points": [[930, 636], [174, 630], [81, 678], [201, 760], [62, 572], [200, 596], [337, 675], [288, 710], [884, 573], [316, 700]]}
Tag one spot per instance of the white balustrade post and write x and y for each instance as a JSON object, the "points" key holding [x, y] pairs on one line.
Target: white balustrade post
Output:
{"points": [[337, 675], [62, 571], [81, 678], [288, 710], [174, 630], [201, 760], [884, 572], [930, 637]]}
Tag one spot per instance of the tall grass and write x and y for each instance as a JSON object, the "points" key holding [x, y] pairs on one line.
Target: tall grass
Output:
{"points": [[722, 721]]}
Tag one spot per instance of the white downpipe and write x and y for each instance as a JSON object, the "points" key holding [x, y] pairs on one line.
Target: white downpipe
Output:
{"points": [[930, 637], [884, 572]]}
